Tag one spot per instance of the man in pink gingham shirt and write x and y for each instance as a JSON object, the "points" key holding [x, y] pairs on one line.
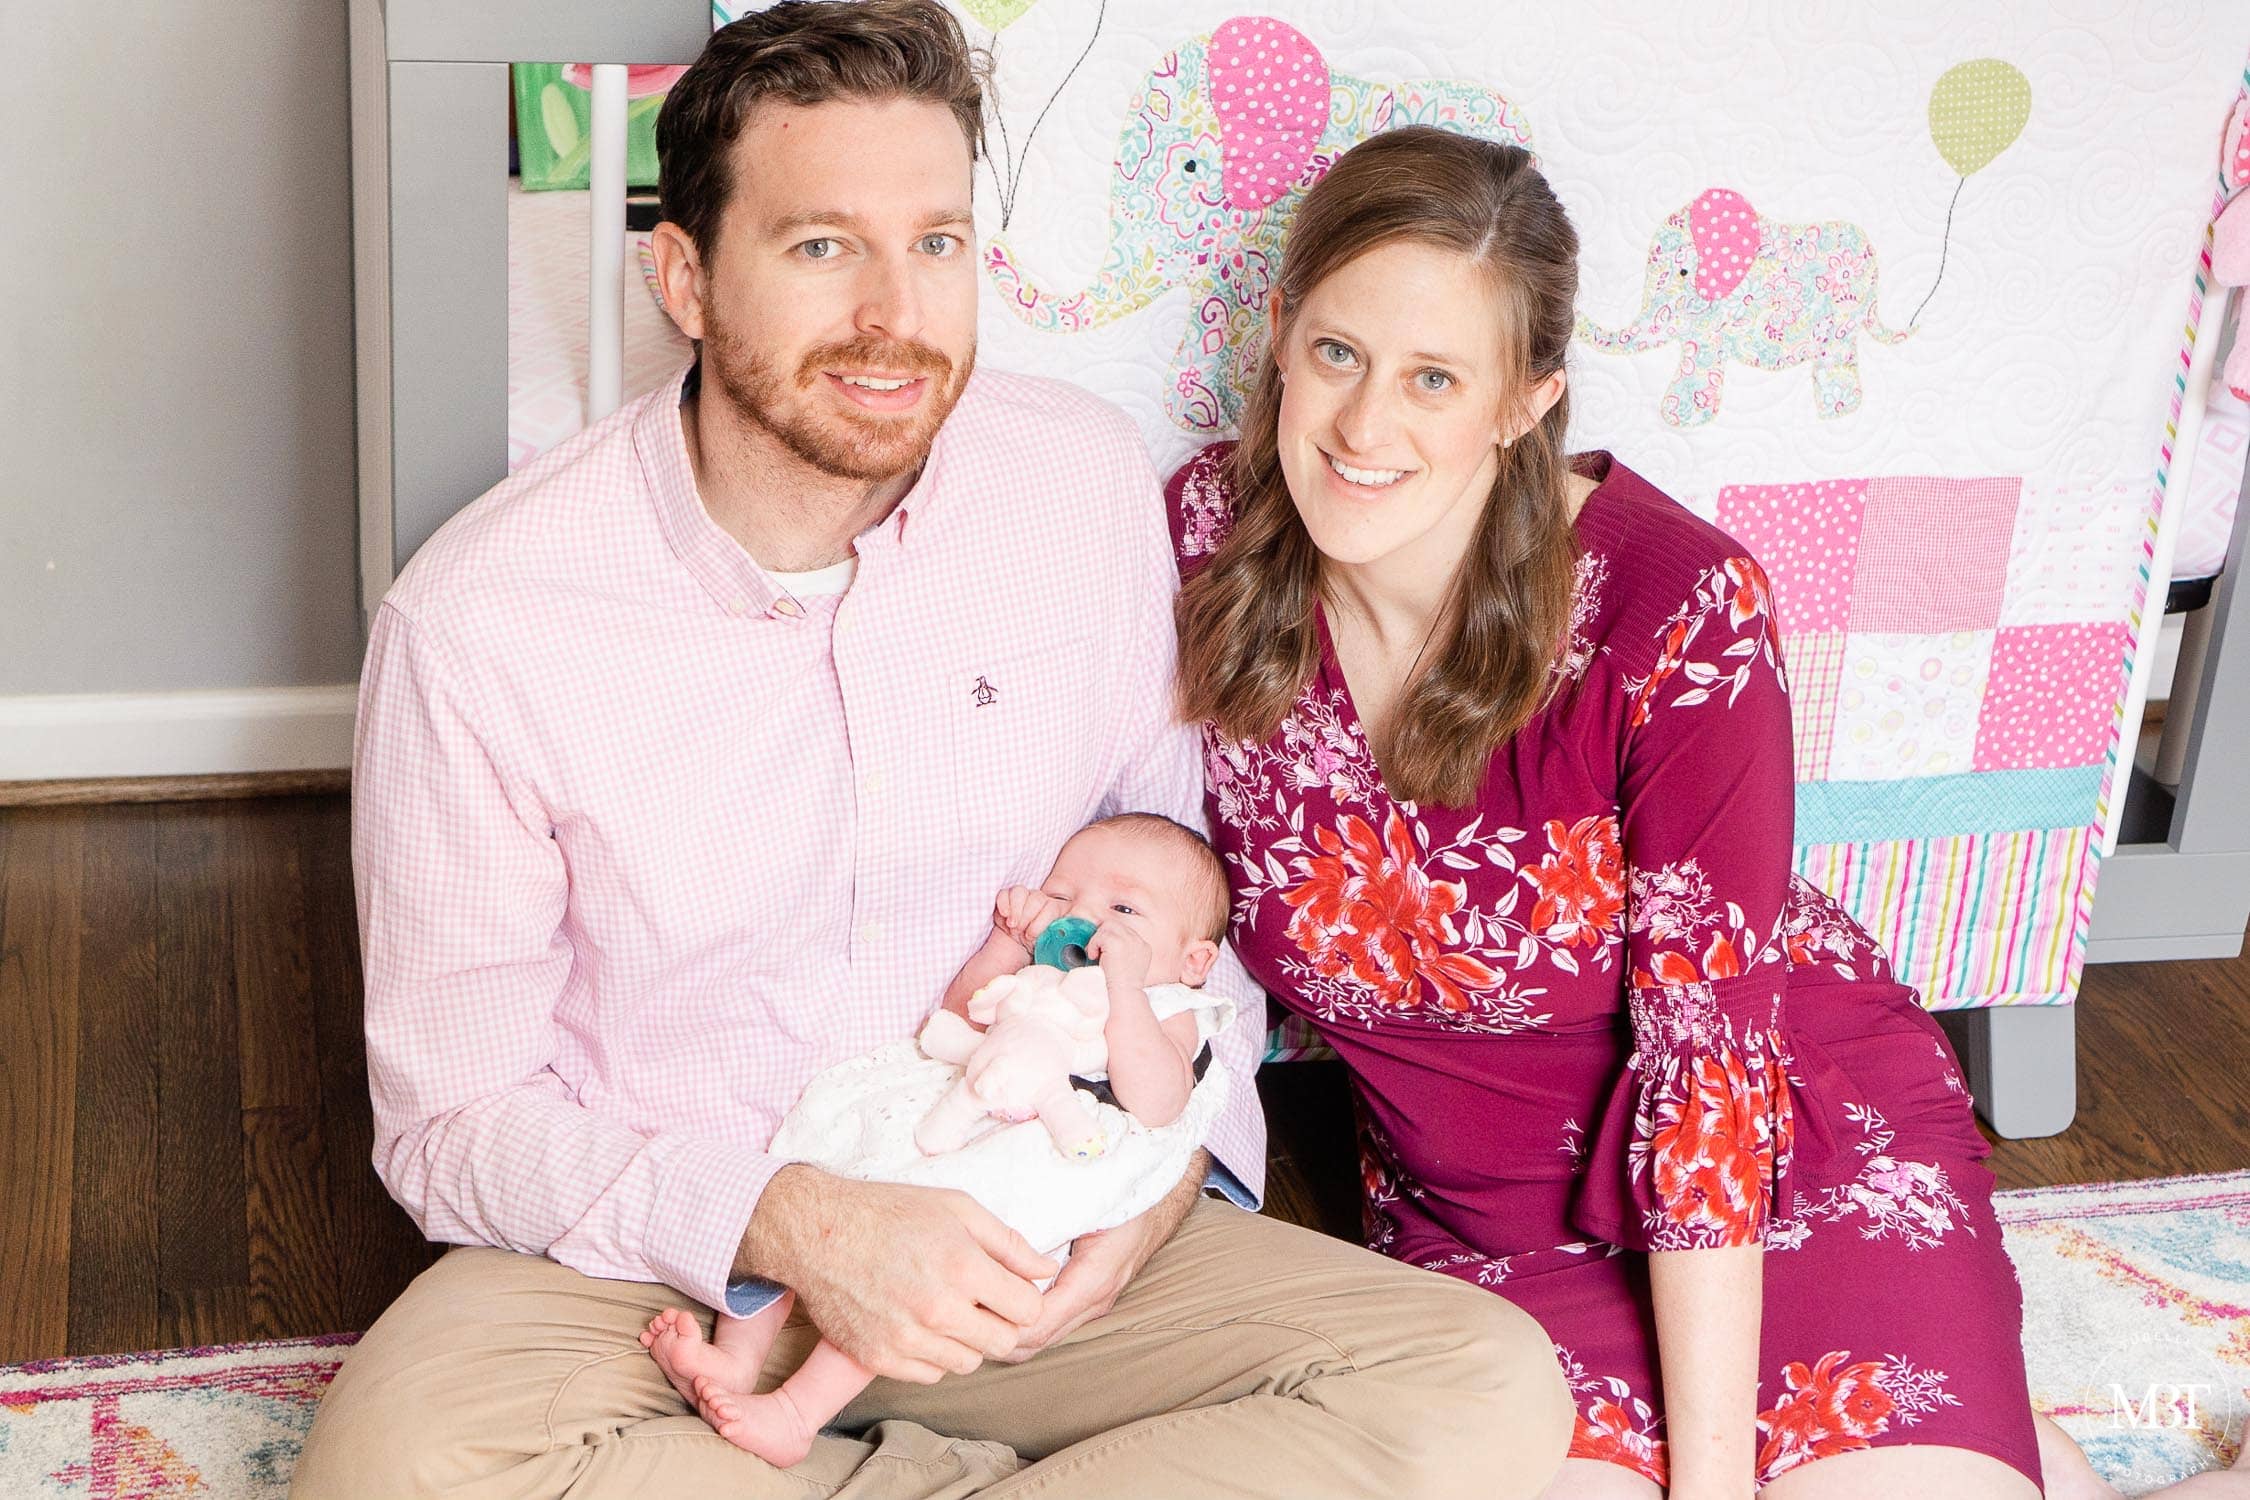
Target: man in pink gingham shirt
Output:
{"points": [[689, 763]]}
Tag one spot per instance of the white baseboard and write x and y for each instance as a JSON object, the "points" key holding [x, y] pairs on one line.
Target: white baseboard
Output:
{"points": [[67, 736]]}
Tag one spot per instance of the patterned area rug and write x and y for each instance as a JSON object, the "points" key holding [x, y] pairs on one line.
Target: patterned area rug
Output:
{"points": [[2136, 1310], [2137, 1319]]}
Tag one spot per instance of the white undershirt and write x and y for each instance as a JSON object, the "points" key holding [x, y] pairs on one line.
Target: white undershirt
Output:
{"points": [[820, 582]]}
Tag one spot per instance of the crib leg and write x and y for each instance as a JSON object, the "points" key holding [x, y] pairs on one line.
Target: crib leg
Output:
{"points": [[2023, 1067]]}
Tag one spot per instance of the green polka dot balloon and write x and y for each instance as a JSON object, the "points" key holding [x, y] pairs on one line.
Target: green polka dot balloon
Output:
{"points": [[1977, 110]]}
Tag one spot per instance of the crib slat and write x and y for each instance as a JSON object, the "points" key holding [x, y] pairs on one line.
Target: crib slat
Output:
{"points": [[605, 300]]}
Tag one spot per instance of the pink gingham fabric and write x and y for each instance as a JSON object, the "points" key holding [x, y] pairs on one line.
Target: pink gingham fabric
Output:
{"points": [[642, 842]]}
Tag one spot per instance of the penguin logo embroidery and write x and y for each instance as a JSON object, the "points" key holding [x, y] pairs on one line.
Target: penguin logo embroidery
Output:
{"points": [[984, 692]]}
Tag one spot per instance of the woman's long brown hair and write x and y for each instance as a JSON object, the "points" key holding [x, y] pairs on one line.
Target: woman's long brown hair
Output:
{"points": [[1248, 641]]}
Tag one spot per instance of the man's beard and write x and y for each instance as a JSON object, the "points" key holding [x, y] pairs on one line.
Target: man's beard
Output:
{"points": [[866, 447]]}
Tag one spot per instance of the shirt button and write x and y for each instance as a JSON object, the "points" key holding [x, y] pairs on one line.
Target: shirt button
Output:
{"points": [[788, 608], [871, 932], [874, 781], [740, 606]]}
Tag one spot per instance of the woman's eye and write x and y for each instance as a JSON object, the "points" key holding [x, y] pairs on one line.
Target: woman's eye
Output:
{"points": [[1332, 352], [1434, 381]]}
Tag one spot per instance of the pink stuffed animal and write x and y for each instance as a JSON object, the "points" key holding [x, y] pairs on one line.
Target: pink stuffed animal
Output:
{"points": [[2230, 246], [1041, 1026]]}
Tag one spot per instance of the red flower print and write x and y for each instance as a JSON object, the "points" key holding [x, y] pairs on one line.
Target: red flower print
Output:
{"points": [[1367, 908], [1720, 961], [1670, 968], [1747, 591], [1581, 884], [1668, 661], [1831, 1408], [1604, 1432], [1711, 1152]]}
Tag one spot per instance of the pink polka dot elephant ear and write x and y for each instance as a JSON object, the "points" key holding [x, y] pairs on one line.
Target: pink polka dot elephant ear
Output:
{"points": [[1725, 230], [2235, 155], [1269, 88]]}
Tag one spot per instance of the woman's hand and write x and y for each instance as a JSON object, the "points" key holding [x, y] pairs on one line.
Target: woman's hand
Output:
{"points": [[1708, 1310]]}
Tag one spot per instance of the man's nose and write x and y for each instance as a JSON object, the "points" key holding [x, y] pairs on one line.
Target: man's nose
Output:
{"points": [[891, 303]]}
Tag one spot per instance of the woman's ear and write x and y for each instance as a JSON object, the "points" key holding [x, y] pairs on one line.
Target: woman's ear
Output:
{"points": [[1542, 400], [1196, 962], [679, 276], [1274, 325]]}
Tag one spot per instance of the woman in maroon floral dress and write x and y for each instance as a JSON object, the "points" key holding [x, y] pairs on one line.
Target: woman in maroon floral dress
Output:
{"points": [[1499, 759]]}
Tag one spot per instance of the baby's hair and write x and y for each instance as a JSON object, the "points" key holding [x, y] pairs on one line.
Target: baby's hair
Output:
{"points": [[1197, 849]]}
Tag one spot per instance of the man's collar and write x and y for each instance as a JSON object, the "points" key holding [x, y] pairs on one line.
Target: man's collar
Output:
{"points": [[718, 562]]}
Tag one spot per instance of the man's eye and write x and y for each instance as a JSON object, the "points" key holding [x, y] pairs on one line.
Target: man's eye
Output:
{"points": [[937, 244], [817, 249]]}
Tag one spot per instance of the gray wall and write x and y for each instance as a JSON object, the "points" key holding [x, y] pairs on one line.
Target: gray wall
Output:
{"points": [[176, 465]]}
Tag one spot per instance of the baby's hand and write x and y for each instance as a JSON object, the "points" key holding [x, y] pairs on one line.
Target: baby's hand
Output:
{"points": [[1022, 913], [1123, 953]]}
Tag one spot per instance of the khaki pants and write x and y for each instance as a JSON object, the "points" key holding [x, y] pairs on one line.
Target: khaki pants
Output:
{"points": [[1249, 1358]]}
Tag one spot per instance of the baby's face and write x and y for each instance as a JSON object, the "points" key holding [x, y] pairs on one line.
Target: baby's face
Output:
{"points": [[1121, 876]]}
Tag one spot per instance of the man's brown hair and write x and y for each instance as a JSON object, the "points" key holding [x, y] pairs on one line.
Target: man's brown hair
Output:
{"points": [[805, 52]]}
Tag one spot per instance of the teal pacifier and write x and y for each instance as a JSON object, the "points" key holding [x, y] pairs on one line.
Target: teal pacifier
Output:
{"points": [[1063, 944]]}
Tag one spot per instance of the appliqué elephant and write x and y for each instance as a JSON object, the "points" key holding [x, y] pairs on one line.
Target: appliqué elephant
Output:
{"points": [[1221, 140], [1726, 283]]}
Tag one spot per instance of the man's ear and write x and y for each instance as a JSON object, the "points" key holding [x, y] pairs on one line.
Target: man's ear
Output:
{"points": [[679, 276], [1196, 962]]}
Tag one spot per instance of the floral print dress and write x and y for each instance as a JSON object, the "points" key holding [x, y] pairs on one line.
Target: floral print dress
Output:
{"points": [[1596, 1014]]}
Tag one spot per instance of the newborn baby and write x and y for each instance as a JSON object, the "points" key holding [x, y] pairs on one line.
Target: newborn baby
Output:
{"points": [[1157, 895]]}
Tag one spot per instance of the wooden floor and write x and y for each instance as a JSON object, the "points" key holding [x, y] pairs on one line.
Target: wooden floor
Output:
{"points": [[184, 1129]]}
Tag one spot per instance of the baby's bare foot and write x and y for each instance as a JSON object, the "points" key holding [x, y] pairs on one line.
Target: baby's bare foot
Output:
{"points": [[675, 1341], [770, 1426]]}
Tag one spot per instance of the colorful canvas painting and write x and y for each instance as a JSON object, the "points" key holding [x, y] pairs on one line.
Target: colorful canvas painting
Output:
{"points": [[555, 122]]}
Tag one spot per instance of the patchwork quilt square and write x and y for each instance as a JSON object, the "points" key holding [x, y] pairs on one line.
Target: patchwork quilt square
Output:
{"points": [[2052, 702], [1805, 536], [1933, 555], [1908, 705], [1815, 663], [2076, 555]]}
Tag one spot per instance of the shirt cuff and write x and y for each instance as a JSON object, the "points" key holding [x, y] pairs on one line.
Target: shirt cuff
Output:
{"points": [[751, 1296], [702, 1210], [1220, 1177]]}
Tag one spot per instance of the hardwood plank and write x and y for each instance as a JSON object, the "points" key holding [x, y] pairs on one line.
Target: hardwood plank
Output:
{"points": [[113, 1209], [40, 867], [194, 1317], [202, 1234], [272, 976], [293, 1289], [112, 789], [378, 1248]]}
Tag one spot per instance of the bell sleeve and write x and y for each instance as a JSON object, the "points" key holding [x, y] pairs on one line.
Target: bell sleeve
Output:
{"points": [[1691, 1148]]}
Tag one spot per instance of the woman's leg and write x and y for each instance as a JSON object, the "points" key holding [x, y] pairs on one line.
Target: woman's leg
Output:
{"points": [[1927, 1472], [2071, 1477]]}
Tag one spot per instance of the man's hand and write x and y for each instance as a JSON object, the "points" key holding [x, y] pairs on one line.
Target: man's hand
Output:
{"points": [[1102, 1265], [1023, 913], [1123, 954], [912, 1282]]}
